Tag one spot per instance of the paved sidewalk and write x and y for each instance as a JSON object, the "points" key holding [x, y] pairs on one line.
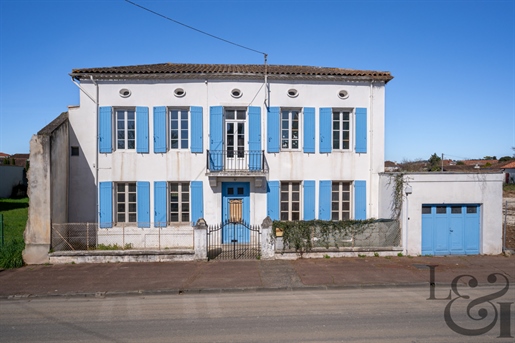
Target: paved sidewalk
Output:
{"points": [[253, 275]]}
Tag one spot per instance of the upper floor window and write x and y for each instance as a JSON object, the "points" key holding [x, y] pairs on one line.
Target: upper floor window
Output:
{"points": [[290, 201], [290, 125], [126, 209], [179, 129], [125, 129], [341, 130], [340, 200]]}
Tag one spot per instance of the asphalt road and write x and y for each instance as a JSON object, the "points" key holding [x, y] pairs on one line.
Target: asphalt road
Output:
{"points": [[348, 315]]}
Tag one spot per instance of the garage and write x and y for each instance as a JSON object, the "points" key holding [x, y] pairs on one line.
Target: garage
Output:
{"points": [[450, 229]]}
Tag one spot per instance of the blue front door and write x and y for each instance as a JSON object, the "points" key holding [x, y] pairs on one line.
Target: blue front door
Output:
{"points": [[235, 209]]}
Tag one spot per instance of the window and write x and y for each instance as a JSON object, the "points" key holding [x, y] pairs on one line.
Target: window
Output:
{"points": [[75, 151], [426, 209], [235, 132], [290, 129], [125, 129], [179, 202], [341, 130], [340, 200], [126, 202], [290, 200], [455, 209], [179, 129], [471, 209]]}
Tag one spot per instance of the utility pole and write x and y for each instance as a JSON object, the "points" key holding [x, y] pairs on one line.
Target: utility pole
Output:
{"points": [[442, 161]]}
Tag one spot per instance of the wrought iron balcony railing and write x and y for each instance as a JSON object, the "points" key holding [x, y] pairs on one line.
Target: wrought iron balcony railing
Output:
{"points": [[244, 162]]}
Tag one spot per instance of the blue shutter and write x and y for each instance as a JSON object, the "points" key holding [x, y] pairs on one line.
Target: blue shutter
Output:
{"points": [[324, 200], [360, 199], [216, 140], [159, 129], [272, 199], [142, 130], [254, 138], [326, 115], [309, 200], [105, 198], [272, 122], [160, 198], [309, 130], [143, 203], [105, 130], [196, 129], [197, 201], [361, 130]]}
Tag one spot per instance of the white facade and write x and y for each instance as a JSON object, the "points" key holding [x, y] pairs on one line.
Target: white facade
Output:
{"points": [[332, 168], [89, 169]]}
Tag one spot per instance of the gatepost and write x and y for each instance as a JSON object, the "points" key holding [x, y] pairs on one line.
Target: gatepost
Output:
{"points": [[267, 241], [200, 240]]}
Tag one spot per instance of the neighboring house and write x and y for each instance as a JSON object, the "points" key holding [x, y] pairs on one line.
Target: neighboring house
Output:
{"points": [[509, 172], [20, 159], [390, 166], [160, 146]]}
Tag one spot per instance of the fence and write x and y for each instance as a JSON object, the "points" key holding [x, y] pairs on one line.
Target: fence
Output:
{"points": [[88, 236], [1, 230], [508, 225], [379, 233]]}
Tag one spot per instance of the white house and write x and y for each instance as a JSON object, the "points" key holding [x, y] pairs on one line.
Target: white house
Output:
{"points": [[153, 148], [178, 142]]}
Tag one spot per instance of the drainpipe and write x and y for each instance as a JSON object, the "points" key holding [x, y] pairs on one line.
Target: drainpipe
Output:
{"points": [[408, 190], [96, 147], [371, 150]]}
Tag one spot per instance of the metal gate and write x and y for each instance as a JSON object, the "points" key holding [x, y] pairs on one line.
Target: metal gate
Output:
{"points": [[233, 240]]}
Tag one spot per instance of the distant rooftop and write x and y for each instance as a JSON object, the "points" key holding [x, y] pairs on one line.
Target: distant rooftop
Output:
{"points": [[182, 70]]}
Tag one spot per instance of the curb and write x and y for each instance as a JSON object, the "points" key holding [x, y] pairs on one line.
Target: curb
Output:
{"points": [[172, 291]]}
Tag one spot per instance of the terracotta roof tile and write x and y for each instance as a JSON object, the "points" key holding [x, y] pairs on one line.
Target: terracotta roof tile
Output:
{"points": [[255, 70], [510, 165]]}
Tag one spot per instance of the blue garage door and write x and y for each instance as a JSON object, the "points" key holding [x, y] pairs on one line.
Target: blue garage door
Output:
{"points": [[450, 229]]}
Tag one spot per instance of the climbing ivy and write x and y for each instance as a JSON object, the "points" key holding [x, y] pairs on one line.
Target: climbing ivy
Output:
{"points": [[300, 235], [398, 180]]}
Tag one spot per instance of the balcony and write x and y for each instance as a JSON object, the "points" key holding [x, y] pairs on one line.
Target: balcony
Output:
{"points": [[243, 163]]}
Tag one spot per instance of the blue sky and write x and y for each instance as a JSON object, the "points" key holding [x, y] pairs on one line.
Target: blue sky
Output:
{"points": [[453, 61]]}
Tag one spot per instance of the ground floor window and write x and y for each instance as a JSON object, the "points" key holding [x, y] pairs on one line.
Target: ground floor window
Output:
{"points": [[126, 209], [290, 200], [340, 200], [179, 202]]}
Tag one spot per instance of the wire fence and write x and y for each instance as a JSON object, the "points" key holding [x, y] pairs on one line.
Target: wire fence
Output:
{"points": [[381, 233], [88, 236], [509, 224]]}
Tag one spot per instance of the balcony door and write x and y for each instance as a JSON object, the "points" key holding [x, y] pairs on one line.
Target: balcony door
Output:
{"points": [[235, 140]]}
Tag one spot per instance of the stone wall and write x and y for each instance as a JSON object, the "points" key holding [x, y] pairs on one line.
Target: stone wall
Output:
{"points": [[47, 188]]}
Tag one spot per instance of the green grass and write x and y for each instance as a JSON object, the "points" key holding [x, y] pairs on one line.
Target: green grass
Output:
{"points": [[15, 214]]}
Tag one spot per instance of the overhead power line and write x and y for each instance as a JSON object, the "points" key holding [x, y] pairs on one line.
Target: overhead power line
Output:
{"points": [[195, 29]]}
